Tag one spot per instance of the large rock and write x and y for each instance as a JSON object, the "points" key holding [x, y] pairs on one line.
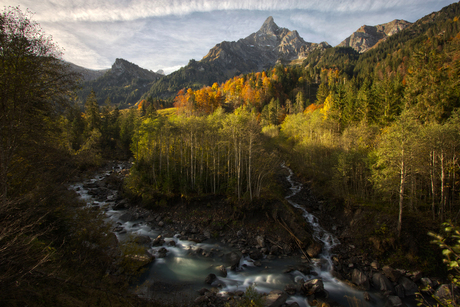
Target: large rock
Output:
{"points": [[393, 301], [290, 289], [444, 292], [410, 288], [314, 249], [391, 273], [312, 286], [360, 279], [232, 259], [222, 270], [127, 217], [210, 278], [382, 283], [276, 298]]}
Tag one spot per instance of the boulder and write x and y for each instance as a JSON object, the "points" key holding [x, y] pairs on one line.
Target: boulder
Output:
{"points": [[276, 298], [290, 289], [222, 270], [210, 278], [314, 249], [232, 259], [127, 217], [444, 292], [382, 283], [391, 273], [410, 288], [393, 301], [360, 279], [162, 252], [312, 286], [158, 241]]}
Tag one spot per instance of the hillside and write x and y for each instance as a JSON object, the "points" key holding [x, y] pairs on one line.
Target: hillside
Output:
{"points": [[123, 84]]}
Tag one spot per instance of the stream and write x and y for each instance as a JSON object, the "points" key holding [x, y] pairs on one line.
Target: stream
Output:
{"points": [[176, 276]]}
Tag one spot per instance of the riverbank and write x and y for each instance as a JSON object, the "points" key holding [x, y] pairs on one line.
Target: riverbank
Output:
{"points": [[263, 231]]}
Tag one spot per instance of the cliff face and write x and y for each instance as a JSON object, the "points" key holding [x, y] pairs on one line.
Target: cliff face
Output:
{"points": [[367, 37]]}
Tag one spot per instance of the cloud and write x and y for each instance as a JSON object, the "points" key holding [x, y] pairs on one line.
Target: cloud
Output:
{"points": [[166, 34], [126, 10]]}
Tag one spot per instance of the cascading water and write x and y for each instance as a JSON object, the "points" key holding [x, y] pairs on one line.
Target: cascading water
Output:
{"points": [[328, 240], [182, 268]]}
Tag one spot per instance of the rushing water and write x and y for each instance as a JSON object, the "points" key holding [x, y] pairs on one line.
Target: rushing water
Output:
{"points": [[187, 272]]}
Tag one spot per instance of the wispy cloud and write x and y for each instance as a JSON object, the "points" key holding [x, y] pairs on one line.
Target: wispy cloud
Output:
{"points": [[125, 10], [166, 34]]}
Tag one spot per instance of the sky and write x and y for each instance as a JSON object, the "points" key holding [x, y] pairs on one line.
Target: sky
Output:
{"points": [[166, 34]]}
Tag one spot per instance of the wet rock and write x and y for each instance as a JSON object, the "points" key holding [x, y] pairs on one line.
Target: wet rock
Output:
{"points": [[172, 243], [312, 286], [232, 259], [393, 301], [314, 249], [290, 289], [127, 217], [162, 252], [210, 278], [158, 241], [410, 288], [360, 279], [276, 298], [375, 265], [222, 270], [161, 223]]}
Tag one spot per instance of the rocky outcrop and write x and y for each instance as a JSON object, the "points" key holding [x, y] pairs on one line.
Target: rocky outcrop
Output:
{"points": [[367, 37], [260, 50]]}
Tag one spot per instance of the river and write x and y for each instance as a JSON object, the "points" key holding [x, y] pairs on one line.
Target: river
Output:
{"points": [[178, 276]]}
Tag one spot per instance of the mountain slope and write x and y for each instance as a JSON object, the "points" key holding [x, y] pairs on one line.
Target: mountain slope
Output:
{"points": [[260, 50], [368, 36], [124, 84]]}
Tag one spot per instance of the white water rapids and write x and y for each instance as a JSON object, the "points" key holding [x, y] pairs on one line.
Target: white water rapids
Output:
{"points": [[179, 267]]}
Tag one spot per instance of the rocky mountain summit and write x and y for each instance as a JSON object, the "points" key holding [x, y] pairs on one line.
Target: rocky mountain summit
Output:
{"points": [[367, 37], [123, 84], [260, 50]]}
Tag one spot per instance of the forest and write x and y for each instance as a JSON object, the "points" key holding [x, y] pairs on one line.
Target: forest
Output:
{"points": [[379, 130]]}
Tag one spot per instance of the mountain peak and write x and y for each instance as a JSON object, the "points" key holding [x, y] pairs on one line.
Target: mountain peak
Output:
{"points": [[269, 26]]}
